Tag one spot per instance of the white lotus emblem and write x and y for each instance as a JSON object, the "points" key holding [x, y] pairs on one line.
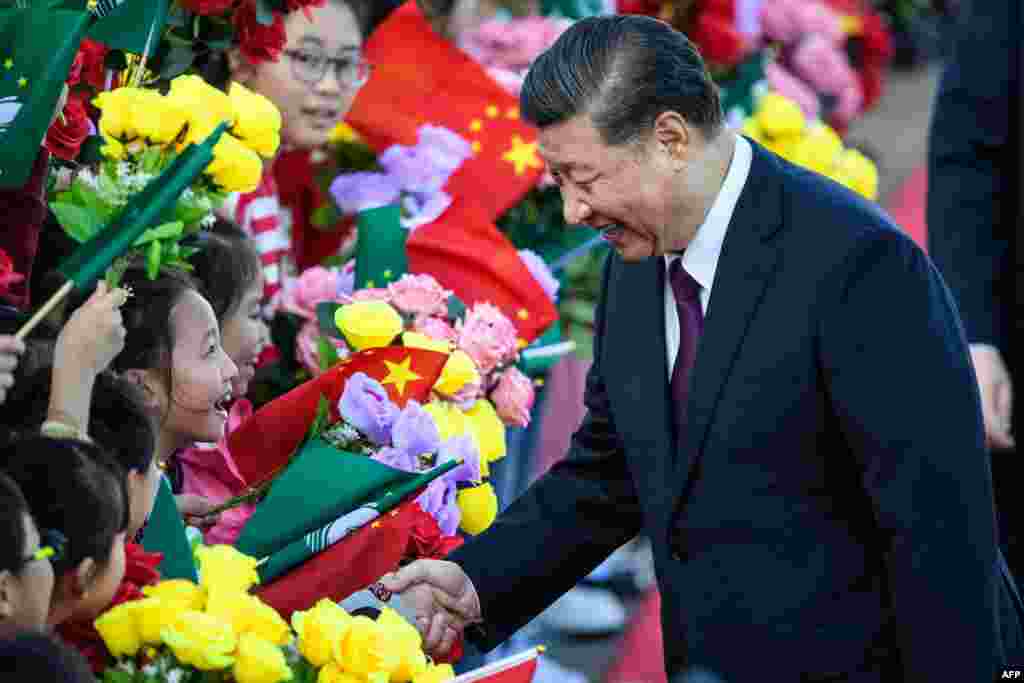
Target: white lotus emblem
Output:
{"points": [[9, 108]]}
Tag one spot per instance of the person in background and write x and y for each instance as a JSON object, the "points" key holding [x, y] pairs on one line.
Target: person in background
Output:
{"points": [[26, 571], [42, 658]]}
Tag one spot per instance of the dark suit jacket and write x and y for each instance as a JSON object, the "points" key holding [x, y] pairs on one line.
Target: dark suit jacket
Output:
{"points": [[828, 513]]}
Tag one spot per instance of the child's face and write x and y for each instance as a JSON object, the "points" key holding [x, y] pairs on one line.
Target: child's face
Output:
{"points": [[202, 373], [142, 488], [305, 86], [245, 335], [25, 594]]}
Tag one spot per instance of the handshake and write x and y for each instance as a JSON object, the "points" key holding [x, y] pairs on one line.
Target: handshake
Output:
{"points": [[442, 597]]}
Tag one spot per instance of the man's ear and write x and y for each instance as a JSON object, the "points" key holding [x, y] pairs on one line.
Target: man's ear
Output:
{"points": [[673, 133], [242, 70]]}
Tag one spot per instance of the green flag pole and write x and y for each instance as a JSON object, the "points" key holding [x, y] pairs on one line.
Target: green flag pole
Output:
{"points": [[88, 262]]}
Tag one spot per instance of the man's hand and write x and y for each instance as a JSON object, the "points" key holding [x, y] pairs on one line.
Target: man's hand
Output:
{"points": [[443, 598], [10, 350], [996, 395], [196, 510]]}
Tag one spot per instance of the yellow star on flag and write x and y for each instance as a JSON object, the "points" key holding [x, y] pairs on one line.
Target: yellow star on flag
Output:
{"points": [[8, 63], [400, 374], [22, 82], [522, 155]]}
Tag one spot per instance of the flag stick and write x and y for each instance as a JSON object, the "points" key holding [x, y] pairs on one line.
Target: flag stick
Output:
{"points": [[38, 316]]}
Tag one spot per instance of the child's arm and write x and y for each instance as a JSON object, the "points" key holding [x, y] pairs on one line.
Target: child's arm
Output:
{"points": [[87, 344]]}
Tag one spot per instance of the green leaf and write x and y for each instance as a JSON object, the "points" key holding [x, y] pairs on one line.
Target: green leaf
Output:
{"points": [[323, 412], [116, 270], [167, 231], [264, 13], [151, 159], [86, 197], [153, 259], [325, 311], [187, 252], [328, 353], [79, 223]]}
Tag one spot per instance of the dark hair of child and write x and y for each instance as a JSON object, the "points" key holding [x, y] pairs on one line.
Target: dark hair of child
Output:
{"points": [[42, 658], [13, 509], [226, 266]]}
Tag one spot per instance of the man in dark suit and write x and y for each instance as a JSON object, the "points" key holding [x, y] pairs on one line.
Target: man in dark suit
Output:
{"points": [[974, 216], [781, 399]]}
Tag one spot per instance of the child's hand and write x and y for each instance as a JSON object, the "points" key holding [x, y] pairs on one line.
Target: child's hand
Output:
{"points": [[94, 335], [10, 349], [196, 510]]}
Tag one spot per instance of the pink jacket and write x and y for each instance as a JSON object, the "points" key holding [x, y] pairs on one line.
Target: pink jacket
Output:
{"points": [[209, 470]]}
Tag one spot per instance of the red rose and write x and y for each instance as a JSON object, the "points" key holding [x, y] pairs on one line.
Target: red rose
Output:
{"points": [[75, 73], [93, 54], [718, 40], [425, 538], [304, 5], [7, 275], [207, 7], [259, 43], [66, 135]]}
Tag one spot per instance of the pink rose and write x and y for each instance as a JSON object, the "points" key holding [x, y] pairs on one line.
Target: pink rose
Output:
{"points": [[513, 398], [488, 336], [419, 295], [827, 70], [307, 347], [372, 294], [315, 285], [435, 328], [814, 18]]}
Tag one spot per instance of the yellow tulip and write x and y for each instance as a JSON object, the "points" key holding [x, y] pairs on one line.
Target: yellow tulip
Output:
{"points": [[459, 370], [153, 615], [437, 673], [224, 568], [333, 673], [260, 661], [408, 645], [319, 629], [779, 116], [368, 324], [257, 120], [858, 173], [201, 640], [479, 507], [451, 421], [364, 648], [119, 629], [489, 430], [235, 167], [248, 614], [181, 592]]}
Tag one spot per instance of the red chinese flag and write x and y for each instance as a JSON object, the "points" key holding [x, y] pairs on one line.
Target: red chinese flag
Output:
{"points": [[349, 565], [263, 444], [421, 78], [515, 669], [467, 254]]}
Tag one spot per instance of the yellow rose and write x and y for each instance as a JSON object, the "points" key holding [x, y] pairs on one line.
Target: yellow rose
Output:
{"points": [[459, 370], [332, 673], [408, 645], [112, 148], [153, 615], [235, 167], [248, 614], [858, 173], [479, 507], [368, 324], [158, 118], [415, 340], [364, 648], [260, 661], [488, 429], [437, 673], [257, 120], [205, 106], [200, 639], [778, 116], [451, 422], [183, 593], [119, 629], [117, 112], [818, 150], [319, 629], [224, 568]]}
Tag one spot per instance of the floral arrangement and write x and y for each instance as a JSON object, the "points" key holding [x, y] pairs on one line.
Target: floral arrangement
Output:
{"points": [[780, 125], [507, 48], [217, 631], [142, 131], [411, 176]]}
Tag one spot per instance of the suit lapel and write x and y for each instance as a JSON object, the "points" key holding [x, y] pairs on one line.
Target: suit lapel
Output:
{"points": [[747, 262]]}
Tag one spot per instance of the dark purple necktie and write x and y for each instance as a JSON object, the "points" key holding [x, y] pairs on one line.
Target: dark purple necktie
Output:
{"points": [[691, 324]]}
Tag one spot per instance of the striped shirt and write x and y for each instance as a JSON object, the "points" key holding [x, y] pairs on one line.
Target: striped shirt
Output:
{"points": [[258, 214]]}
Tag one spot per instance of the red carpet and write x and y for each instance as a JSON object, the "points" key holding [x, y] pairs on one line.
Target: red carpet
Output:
{"points": [[640, 659]]}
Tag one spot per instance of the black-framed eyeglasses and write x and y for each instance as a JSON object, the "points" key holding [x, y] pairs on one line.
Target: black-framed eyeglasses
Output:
{"points": [[309, 66]]}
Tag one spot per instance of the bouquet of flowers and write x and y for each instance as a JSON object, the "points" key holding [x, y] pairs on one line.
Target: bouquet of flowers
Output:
{"points": [[217, 631], [143, 131]]}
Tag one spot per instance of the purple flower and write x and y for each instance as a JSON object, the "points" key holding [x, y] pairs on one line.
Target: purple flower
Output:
{"points": [[366, 406], [399, 459], [426, 167], [447, 148], [461, 448], [355, 192], [439, 501], [347, 279], [415, 432], [422, 208], [540, 272]]}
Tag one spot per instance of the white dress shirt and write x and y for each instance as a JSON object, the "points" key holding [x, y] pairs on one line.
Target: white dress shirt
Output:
{"points": [[700, 259]]}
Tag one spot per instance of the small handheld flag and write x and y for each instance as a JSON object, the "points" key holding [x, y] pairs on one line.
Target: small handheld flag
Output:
{"points": [[518, 668]]}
